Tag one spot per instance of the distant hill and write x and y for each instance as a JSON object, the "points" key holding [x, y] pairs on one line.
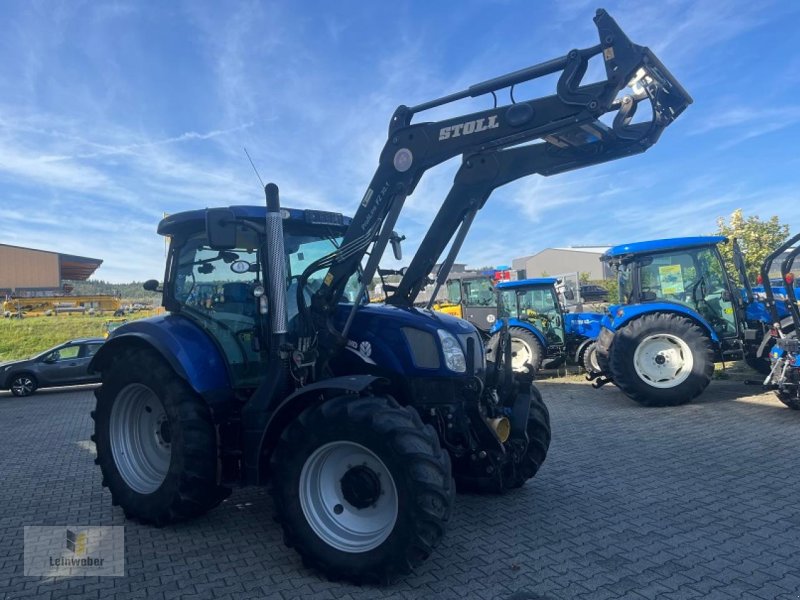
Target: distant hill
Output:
{"points": [[128, 292]]}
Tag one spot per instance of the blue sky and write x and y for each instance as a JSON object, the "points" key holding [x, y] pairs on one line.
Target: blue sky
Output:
{"points": [[113, 113]]}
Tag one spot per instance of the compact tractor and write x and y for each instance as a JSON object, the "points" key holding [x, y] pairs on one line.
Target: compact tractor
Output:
{"points": [[784, 346], [679, 312], [271, 366], [542, 333]]}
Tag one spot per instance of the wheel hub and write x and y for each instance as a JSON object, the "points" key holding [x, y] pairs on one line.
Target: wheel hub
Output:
{"points": [[663, 360], [361, 486]]}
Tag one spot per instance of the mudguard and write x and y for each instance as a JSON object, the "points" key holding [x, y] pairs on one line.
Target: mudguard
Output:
{"points": [[292, 406], [186, 347], [620, 315], [513, 322]]}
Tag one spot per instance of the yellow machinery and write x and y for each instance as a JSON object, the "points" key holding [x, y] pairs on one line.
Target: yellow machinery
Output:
{"points": [[57, 305]]}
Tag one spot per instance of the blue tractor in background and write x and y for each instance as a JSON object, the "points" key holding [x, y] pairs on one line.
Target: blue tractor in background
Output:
{"points": [[543, 334], [271, 367], [679, 312]]}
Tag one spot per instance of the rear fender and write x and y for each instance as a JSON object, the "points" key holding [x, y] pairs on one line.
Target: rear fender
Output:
{"points": [[296, 403], [622, 315], [187, 349]]}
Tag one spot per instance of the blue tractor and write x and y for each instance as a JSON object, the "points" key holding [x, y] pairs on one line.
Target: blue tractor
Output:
{"points": [[271, 367], [784, 367], [679, 312], [542, 333]]}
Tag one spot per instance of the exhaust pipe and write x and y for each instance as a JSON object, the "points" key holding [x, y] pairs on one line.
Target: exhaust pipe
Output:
{"points": [[276, 267]]}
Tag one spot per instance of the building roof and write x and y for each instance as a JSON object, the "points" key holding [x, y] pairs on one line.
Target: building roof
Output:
{"points": [[70, 265], [587, 249]]}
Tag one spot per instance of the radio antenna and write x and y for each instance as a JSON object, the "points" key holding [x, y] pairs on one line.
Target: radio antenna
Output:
{"points": [[254, 167]]}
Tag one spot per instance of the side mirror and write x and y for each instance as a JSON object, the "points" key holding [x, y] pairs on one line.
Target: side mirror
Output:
{"points": [[221, 228], [397, 250], [151, 285], [569, 294], [50, 358]]}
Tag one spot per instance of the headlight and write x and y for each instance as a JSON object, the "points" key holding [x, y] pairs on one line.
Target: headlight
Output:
{"points": [[453, 355]]}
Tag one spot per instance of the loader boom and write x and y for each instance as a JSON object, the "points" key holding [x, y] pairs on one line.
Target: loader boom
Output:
{"points": [[568, 123]]}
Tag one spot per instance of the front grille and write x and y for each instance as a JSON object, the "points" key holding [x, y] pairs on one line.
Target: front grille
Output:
{"points": [[424, 350]]}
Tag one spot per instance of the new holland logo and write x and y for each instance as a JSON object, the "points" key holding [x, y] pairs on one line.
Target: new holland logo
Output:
{"points": [[468, 128]]}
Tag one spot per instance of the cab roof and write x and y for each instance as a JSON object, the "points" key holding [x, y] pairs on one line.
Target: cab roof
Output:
{"points": [[523, 283], [662, 245], [194, 218]]}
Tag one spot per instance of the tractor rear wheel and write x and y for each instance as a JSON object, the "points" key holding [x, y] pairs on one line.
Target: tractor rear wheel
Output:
{"points": [[526, 349], [661, 359], [156, 442], [362, 488]]}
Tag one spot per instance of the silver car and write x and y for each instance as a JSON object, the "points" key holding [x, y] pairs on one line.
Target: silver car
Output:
{"points": [[66, 364]]}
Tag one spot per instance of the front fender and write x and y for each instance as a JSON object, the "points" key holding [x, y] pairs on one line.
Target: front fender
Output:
{"points": [[498, 325], [186, 347], [623, 314], [291, 407]]}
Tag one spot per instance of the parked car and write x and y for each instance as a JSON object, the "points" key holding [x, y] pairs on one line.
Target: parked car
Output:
{"points": [[594, 293], [66, 364]]}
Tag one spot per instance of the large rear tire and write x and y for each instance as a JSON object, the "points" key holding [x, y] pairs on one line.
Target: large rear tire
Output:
{"points": [[362, 488], [661, 359], [156, 442], [792, 400], [761, 364], [526, 349]]}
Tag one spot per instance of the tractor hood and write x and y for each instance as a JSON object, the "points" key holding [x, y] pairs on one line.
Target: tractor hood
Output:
{"points": [[408, 340]]}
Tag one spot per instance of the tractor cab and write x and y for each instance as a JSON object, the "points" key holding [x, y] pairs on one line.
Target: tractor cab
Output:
{"points": [[224, 291], [679, 273], [534, 301], [470, 297]]}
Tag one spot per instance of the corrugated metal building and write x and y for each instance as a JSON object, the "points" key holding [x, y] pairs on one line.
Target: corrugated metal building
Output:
{"points": [[28, 271], [551, 261]]}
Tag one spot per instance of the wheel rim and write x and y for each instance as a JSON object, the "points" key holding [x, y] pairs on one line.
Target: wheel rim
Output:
{"points": [[348, 496], [22, 386], [521, 354], [663, 360], [591, 355], [140, 438]]}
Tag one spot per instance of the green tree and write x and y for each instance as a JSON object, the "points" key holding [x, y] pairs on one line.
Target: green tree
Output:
{"points": [[756, 238]]}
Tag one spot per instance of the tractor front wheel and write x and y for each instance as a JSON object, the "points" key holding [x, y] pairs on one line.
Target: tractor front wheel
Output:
{"points": [[362, 488], [661, 359], [588, 359], [156, 442]]}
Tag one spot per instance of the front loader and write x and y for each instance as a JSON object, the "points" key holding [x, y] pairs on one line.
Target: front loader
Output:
{"points": [[272, 367]]}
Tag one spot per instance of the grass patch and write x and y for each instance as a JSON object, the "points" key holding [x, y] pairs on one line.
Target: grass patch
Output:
{"points": [[23, 338]]}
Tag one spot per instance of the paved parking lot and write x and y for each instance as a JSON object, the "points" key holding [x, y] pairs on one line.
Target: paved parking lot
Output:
{"points": [[697, 501]]}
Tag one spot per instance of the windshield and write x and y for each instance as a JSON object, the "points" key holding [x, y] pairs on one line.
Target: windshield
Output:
{"points": [[625, 283], [478, 292], [302, 251], [694, 277], [538, 306]]}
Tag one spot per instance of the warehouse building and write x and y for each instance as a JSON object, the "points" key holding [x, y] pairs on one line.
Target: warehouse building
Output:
{"points": [[552, 261], [32, 272]]}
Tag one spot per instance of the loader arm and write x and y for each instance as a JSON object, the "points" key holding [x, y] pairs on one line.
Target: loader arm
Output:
{"points": [[570, 119], [480, 174]]}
